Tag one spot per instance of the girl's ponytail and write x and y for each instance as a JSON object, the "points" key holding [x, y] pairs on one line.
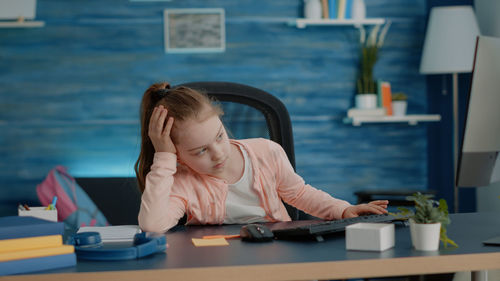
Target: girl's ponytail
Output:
{"points": [[149, 100], [182, 104]]}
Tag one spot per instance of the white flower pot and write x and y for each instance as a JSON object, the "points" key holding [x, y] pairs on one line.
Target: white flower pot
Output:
{"points": [[358, 11], [399, 107], [312, 9], [425, 236], [365, 101]]}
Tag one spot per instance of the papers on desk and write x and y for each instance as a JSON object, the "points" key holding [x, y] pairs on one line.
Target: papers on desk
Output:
{"points": [[115, 233]]}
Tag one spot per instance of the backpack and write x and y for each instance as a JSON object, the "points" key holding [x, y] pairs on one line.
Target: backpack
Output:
{"points": [[74, 206]]}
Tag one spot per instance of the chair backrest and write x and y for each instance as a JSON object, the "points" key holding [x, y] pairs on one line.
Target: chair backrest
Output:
{"points": [[119, 199], [250, 112]]}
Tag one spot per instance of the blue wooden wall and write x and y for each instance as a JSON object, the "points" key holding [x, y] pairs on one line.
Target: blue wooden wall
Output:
{"points": [[70, 91]]}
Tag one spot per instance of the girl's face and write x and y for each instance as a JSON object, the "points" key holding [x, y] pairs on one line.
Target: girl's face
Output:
{"points": [[203, 145]]}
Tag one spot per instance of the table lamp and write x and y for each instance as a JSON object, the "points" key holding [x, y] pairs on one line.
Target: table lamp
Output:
{"points": [[449, 48]]}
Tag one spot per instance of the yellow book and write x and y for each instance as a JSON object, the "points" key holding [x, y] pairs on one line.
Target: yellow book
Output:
{"points": [[341, 9], [27, 243], [35, 253]]}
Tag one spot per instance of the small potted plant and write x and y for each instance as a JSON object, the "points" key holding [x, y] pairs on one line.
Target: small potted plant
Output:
{"points": [[399, 104], [366, 97], [428, 222]]}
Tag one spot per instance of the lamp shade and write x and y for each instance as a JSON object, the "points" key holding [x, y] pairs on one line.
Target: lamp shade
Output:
{"points": [[450, 40]]}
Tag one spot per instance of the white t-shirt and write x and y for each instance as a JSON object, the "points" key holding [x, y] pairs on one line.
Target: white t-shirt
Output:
{"points": [[242, 203]]}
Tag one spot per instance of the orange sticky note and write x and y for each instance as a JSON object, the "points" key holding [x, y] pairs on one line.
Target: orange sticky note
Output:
{"points": [[209, 242]]}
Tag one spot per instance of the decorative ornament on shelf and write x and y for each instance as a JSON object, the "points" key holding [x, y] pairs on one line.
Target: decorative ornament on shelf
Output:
{"points": [[428, 222], [312, 9], [365, 83]]}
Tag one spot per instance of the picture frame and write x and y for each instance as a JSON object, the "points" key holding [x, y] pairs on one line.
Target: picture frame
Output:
{"points": [[194, 30]]}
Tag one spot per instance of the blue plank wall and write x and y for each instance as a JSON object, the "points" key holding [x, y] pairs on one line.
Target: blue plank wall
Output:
{"points": [[70, 91]]}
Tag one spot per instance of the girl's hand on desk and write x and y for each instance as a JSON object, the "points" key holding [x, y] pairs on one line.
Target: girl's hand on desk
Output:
{"points": [[159, 132], [375, 207]]}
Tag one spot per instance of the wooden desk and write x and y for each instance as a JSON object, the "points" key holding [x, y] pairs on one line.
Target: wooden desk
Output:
{"points": [[294, 260]]}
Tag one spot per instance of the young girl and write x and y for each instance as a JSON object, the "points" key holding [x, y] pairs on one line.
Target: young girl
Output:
{"points": [[188, 165]]}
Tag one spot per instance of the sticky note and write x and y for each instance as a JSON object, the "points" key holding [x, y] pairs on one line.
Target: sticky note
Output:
{"points": [[209, 242]]}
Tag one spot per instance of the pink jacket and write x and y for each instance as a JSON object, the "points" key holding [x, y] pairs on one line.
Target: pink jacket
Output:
{"points": [[171, 192]]}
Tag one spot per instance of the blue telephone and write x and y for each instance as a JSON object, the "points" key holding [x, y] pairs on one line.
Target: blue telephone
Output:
{"points": [[89, 246]]}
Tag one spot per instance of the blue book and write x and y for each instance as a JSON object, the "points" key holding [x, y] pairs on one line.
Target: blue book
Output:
{"points": [[348, 9], [332, 7], [37, 264], [19, 227]]}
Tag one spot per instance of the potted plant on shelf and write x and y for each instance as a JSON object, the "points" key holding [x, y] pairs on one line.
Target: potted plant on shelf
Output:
{"points": [[428, 222], [399, 104], [366, 97]]}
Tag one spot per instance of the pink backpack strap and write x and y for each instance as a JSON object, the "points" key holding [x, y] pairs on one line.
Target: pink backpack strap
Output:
{"points": [[49, 188]]}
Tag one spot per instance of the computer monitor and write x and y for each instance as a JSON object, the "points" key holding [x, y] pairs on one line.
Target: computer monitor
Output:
{"points": [[479, 161]]}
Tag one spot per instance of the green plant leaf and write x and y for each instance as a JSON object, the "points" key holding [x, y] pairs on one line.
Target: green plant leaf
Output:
{"points": [[445, 239]]}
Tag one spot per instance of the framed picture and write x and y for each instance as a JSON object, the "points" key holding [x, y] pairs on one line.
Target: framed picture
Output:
{"points": [[194, 30]]}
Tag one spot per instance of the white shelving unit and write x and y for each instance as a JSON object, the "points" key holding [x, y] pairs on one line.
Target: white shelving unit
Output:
{"points": [[303, 23], [358, 120], [21, 24], [410, 119]]}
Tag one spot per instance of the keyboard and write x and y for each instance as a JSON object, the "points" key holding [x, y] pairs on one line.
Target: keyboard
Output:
{"points": [[316, 229]]}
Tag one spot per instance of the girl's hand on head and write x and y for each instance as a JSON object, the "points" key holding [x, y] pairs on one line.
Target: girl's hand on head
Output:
{"points": [[159, 132], [375, 207]]}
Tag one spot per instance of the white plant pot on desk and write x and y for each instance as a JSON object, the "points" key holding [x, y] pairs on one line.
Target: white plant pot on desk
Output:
{"points": [[425, 236], [365, 101]]}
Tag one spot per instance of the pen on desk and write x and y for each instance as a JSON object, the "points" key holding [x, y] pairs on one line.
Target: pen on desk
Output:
{"points": [[54, 201], [26, 207]]}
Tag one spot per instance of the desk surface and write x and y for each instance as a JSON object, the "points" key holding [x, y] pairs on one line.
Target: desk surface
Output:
{"points": [[295, 260]]}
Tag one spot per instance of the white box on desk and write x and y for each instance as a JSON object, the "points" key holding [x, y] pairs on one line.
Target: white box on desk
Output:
{"points": [[39, 212], [369, 236]]}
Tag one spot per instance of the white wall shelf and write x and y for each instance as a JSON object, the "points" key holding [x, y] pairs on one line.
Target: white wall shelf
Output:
{"points": [[302, 23], [410, 119], [21, 24]]}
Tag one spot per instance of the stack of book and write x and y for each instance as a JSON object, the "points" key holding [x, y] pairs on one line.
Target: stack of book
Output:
{"points": [[337, 9], [384, 94], [29, 244]]}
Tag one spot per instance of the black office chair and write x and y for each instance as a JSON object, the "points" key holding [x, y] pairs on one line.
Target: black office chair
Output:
{"points": [[248, 113], [118, 198]]}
